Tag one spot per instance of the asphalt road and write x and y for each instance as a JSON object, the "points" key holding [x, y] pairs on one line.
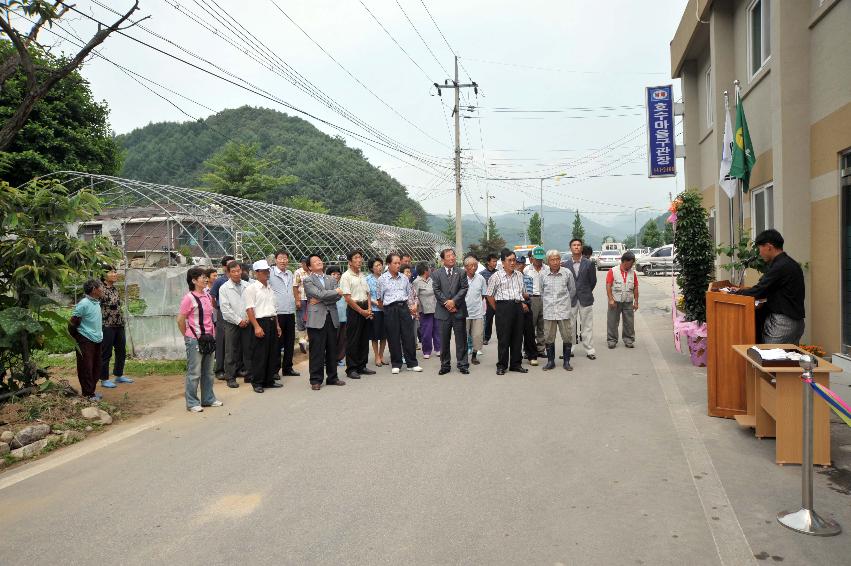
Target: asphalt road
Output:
{"points": [[613, 463]]}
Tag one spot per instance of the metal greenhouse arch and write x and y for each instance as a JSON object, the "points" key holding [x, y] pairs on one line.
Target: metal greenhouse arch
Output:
{"points": [[161, 225]]}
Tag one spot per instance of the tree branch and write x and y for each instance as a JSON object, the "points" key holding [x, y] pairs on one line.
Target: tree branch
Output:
{"points": [[35, 91]]}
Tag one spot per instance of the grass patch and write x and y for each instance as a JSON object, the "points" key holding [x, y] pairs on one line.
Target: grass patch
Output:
{"points": [[132, 367]]}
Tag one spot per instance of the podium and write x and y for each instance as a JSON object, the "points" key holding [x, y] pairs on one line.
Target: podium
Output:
{"points": [[730, 320]]}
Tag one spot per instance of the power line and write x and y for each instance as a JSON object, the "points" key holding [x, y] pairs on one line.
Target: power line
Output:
{"points": [[437, 27], [357, 80], [427, 46], [399, 45]]}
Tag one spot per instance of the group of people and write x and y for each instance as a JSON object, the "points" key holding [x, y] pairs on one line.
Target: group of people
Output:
{"points": [[240, 327]]}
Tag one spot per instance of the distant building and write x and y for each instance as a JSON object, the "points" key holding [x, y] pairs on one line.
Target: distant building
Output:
{"points": [[793, 59]]}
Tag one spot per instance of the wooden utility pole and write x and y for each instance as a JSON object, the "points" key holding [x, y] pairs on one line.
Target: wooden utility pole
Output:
{"points": [[457, 86]]}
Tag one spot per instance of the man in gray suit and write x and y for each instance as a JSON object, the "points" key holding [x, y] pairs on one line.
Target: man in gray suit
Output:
{"points": [[450, 289], [322, 292], [583, 303]]}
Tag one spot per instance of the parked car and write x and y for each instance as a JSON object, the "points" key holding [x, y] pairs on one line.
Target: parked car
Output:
{"points": [[658, 262], [608, 259]]}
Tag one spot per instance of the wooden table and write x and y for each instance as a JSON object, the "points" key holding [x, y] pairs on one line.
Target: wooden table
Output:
{"points": [[774, 406]]}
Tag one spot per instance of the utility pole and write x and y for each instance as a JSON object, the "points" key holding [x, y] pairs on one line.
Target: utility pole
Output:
{"points": [[457, 86], [542, 213]]}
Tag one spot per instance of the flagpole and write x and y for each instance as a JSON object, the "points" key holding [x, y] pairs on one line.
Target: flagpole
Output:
{"points": [[730, 199], [739, 181]]}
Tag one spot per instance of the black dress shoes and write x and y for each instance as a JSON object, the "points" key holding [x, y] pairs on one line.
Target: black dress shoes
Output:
{"points": [[232, 383], [353, 375], [519, 369], [316, 386], [366, 371], [258, 389], [274, 385], [500, 371], [290, 373], [443, 371], [335, 382], [465, 371]]}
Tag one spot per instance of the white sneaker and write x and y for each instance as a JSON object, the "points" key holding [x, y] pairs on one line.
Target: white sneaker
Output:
{"points": [[415, 368], [215, 404], [426, 356], [195, 409], [533, 362], [394, 370], [480, 353]]}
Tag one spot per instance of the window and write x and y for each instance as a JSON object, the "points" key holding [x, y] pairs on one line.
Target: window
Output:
{"points": [[664, 252], [710, 104], [762, 209], [759, 31]]}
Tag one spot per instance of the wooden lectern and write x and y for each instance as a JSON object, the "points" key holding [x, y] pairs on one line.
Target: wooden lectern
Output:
{"points": [[730, 319]]}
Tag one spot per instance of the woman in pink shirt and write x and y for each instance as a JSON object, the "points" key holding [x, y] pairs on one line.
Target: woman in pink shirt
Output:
{"points": [[195, 321]]}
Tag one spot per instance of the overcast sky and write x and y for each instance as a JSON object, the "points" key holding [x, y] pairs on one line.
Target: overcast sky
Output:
{"points": [[587, 60]]}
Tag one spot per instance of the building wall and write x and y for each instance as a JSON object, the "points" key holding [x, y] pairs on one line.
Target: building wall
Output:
{"points": [[798, 108]]}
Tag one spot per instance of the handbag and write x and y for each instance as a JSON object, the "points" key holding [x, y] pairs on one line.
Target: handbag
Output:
{"points": [[206, 342]]}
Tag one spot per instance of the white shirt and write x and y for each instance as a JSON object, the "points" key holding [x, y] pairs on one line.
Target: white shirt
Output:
{"points": [[536, 276], [261, 298], [477, 288], [355, 284]]}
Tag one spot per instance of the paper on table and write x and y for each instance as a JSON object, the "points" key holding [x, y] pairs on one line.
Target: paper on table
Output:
{"points": [[771, 353]]}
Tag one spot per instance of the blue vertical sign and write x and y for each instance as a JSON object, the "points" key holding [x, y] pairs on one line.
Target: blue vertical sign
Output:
{"points": [[661, 159]]}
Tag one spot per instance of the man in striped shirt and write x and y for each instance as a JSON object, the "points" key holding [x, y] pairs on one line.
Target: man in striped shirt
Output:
{"points": [[506, 293]]}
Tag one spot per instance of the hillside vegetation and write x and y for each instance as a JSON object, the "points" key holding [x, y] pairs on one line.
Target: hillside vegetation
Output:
{"points": [[328, 171]]}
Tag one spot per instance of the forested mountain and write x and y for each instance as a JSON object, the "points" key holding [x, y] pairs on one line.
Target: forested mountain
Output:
{"points": [[328, 171]]}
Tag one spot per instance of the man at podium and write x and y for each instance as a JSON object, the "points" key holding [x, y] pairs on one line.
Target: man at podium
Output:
{"points": [[783, 287]]}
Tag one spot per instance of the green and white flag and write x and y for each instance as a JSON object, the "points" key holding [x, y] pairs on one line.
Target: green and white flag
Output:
{"points": [[743, 155]]}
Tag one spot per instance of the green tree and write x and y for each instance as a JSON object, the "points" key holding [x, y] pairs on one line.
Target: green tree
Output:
{"points": [[668, 234], [651, 237], [490, 242], [534, 229], [238, 171], [407, 219], [449, 228], [608, 239], [629, 242], [303, 203], [37, 255], [67, 131], [578, 229], [694, 254]]}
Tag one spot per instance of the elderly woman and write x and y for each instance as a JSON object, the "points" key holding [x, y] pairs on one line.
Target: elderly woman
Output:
{"points": [[427, 305], [557, 291]]}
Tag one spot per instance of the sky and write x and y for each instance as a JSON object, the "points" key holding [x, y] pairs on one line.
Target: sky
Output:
{"points": [[561, 86]]}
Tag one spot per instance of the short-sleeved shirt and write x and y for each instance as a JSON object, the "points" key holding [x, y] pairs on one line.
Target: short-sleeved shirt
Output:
{"points": [[476, 289], [354, 284], [261, 298], [610, 279], [91, 319], [110, 306], [372, 281], [536, 277], [189, 308], [281, 283], [504, 287], [298, 281], [394, 289], [217, 285]]}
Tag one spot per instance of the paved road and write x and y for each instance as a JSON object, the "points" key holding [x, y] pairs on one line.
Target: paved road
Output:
{"points": [[614, 463]]}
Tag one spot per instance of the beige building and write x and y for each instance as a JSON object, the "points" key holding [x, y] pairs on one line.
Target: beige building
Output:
{"points": [[793, 61]]}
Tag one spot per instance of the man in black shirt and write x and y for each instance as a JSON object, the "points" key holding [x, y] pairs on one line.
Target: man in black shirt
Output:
{"points": [[783, 286]]}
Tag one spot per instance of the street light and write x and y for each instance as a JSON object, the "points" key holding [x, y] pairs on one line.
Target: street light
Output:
{"points": [[635, 223]]}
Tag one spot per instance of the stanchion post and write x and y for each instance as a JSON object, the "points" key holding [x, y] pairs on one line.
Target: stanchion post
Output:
{"points": [[806, 520]]}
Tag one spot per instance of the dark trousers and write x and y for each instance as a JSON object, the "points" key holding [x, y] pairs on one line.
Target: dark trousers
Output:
{"points": [[341, 342], [357, 339], [219, 367], [400, 334], [509, 333], [88, 364], [113, 337], [323, 352], [530, 347], [239, 343], [489, 314], [459, 326], [286, 343], [265, 354]]}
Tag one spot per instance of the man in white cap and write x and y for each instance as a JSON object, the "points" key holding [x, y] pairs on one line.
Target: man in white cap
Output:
{"points": [[260, 306]]}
